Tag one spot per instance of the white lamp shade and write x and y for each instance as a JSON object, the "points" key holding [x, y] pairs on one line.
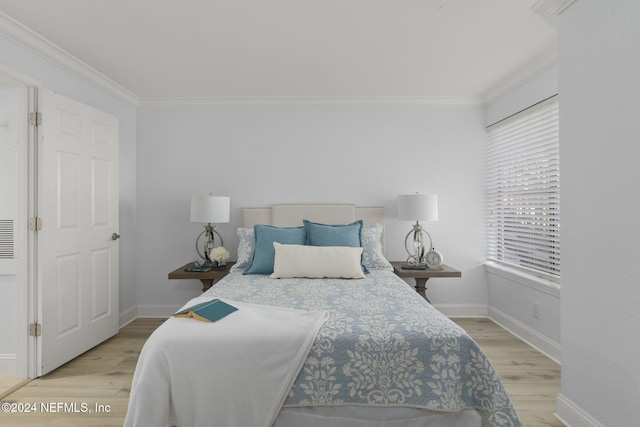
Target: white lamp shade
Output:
{"points": [[418, 207], [208, 208]]}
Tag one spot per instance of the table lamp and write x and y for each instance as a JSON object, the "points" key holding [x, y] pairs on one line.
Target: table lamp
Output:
{"points": [[418, 207], [209, 209]]}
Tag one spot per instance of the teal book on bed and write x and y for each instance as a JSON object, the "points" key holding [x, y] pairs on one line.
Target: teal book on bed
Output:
{"points": [[208, 311]]}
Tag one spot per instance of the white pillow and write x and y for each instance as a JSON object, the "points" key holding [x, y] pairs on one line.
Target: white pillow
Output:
{"points": [[316, 262]]}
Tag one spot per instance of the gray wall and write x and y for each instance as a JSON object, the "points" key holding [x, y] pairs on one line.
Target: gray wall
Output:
{"points": [[600, 88], [258, 156]]}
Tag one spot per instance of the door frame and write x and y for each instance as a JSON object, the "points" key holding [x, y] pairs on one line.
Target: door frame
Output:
{"points": [[25, 241], [28, 363]]}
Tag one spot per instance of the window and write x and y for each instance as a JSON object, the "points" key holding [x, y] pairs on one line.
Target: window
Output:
{"points": [[524, 190]]}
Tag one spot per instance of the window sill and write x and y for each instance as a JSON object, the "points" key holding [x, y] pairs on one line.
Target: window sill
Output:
{"points": [[523, 278]]}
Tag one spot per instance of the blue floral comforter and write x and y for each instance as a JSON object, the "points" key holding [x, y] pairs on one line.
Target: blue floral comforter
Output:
{"points": [[383, 345]]}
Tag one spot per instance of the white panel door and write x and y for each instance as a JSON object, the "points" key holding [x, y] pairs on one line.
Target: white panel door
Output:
{"points": [[77, 248]]}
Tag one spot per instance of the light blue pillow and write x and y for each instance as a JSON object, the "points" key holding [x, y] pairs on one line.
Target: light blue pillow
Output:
{"points": [[372, 256], [265, 235], [333, 235]]}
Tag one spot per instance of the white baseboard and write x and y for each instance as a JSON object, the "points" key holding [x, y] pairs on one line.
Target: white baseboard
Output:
{"points": [[572, 415], [462, 310], [8, 364], [128, 316], [532, 337], [138, 311], [163, 311]]}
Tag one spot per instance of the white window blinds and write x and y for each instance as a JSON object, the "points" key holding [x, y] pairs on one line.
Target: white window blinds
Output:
{"points": [[524, 190]]}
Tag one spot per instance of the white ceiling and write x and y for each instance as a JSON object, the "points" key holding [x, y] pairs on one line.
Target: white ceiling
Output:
{"points": [[306, 49]]}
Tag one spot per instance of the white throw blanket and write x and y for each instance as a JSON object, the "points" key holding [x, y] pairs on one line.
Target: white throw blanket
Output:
{"points": [[233, 372]]}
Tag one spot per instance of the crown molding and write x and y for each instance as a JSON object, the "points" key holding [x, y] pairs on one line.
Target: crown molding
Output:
{"points": [[551, 7], [29, 39], [527, 72], [25, 37], [224, 102], [548, 9]]}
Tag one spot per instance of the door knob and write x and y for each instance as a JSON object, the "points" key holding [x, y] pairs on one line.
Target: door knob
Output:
{"points": [[115, 236]]}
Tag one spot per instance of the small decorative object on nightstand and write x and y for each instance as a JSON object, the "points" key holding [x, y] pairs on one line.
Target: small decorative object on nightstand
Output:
{"points": [[434, 259], [206, 277], [421, 275], [219, 256]]}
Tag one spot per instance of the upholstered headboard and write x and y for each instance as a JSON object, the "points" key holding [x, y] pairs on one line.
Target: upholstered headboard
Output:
{"points": [[291, 215]]}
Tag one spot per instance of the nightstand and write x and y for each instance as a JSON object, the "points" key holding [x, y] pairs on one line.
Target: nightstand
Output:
{"points": [[207, 277], [421, 276]]}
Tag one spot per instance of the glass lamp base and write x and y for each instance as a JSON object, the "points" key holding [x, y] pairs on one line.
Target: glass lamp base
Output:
{"points": [[418, 246]]}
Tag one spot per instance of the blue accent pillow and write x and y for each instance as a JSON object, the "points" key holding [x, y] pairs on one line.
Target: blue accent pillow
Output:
{"points": [[333, 235], [264, 253]]}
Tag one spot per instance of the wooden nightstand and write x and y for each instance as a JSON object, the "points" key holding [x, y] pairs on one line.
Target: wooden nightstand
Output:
{"points": [[207, 278], [421, 276]]}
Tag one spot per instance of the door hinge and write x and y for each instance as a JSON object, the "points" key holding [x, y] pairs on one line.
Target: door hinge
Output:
{"points": [[35, 224], [35, 329], [35, 118]]}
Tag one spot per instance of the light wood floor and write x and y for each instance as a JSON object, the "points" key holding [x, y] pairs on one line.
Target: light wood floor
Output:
{"points": [[102, 377], [531, 378], [9, 383]]}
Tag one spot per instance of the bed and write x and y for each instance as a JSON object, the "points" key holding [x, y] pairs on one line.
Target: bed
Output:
{"points": [[365, 351]]}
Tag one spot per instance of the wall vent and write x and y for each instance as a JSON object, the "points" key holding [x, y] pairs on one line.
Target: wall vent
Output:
{"points": [[6, 239]]}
